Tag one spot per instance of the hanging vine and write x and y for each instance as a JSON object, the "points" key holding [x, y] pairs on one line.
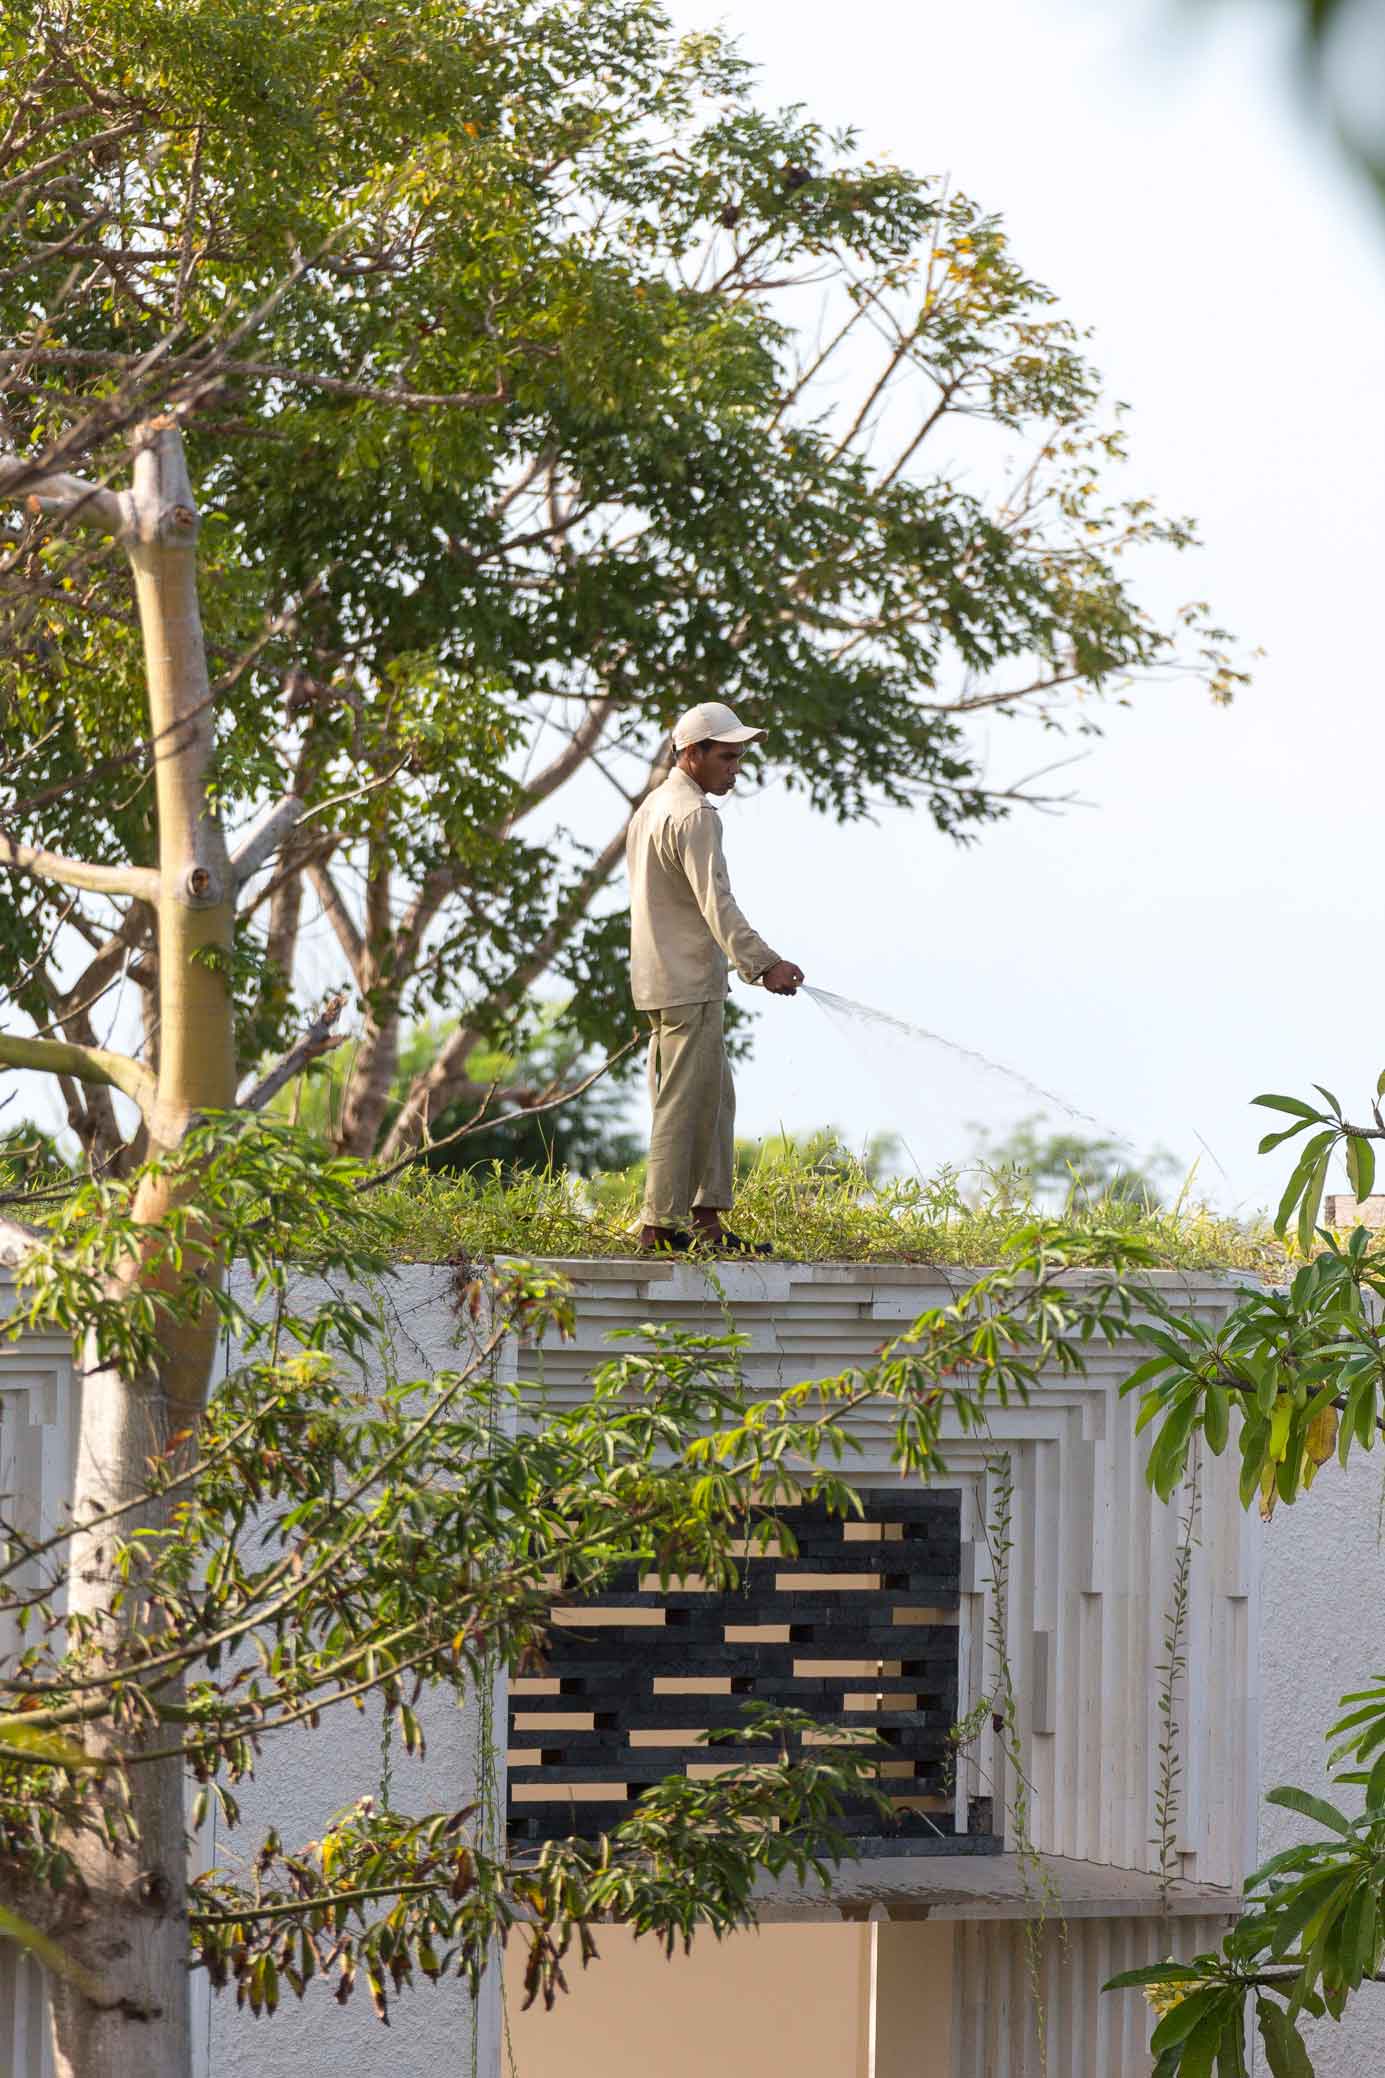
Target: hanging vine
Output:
{"points": [[1172, 1671]]}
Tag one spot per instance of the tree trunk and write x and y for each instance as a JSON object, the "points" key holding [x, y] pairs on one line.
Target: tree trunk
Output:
{"points": [[131, 1927], [370, 1082], [127, 2015]]}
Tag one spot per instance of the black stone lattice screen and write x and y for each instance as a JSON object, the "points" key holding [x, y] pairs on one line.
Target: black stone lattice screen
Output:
{"points": [[859, 1628]]}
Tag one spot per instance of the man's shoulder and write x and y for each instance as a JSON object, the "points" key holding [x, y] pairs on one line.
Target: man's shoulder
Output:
{"points": [[673, 805], [685, 811]]}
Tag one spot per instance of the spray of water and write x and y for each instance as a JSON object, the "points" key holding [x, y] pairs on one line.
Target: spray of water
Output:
{"points": [[844, 1011]]}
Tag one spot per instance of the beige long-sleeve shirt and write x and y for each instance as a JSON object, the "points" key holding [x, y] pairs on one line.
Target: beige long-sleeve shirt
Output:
{"points": [[686, 930]]}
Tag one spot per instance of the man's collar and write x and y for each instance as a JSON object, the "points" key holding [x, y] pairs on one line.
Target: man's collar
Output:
{"points": [[688, 781]]}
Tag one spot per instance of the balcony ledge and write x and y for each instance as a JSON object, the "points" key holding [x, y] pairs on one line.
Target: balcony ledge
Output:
{"points": [[988, 1886]]}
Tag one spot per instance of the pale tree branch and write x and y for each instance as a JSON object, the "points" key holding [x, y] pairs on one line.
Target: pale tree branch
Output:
{"points": [[54, 491], [337, 914], [138, 881], [316, 1041], [95, 1064], [265, 836], [575, 752]]}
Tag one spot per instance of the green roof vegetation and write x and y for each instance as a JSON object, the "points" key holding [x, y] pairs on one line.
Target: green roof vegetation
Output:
{"points": [[825, 1210]]}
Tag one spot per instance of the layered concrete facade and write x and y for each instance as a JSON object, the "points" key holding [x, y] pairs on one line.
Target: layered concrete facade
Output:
{"points": [[1079, 1585], [1081, 1597]]}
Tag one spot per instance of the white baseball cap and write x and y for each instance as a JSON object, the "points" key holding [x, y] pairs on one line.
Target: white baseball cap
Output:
{"points": [[711, 722]]}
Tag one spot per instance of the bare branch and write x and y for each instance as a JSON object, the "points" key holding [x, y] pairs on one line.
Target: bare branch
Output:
{"points": [[582, 742], [55, 491], [337, 914], [86, 147], [265, 836], [316, 1041], [40, 959], [85, 1063], [218, 369], [338, 386], [109, 954], [185, 256], [139, 881], [356, 793], [286, 618]]}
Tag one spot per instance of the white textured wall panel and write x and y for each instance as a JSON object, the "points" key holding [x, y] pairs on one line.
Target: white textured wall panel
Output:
{"points": [[1324, 1635], [1086, 2033], [37, 1404], [1090, 1568]]}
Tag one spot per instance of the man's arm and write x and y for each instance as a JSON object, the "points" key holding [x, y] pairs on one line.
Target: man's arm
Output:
{"points": [[704, 862]]}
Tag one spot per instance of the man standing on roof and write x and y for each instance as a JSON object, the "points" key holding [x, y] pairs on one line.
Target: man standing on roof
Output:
{"points": [[685, 933]]}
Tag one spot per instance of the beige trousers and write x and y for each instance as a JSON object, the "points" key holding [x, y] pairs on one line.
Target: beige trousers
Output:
{"points": [[692, 1139]]}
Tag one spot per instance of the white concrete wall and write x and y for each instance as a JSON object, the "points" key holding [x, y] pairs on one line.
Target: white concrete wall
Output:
{"points": [[304, 1777], [37, 1404], [1324, 1634]]}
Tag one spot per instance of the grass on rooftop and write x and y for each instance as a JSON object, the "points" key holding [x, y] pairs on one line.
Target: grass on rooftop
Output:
{"points": [[811, 1213], [817, 1204]]}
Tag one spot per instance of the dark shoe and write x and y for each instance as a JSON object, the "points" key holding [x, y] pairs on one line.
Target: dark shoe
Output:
{"points": [[724, 1242], [665, 1241]]}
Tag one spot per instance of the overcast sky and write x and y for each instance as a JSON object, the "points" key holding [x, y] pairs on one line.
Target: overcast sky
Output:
{"points": [[1208, 926]]}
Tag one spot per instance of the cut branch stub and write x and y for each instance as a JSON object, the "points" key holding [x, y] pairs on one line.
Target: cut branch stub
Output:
{"points": [[200, 887], [163, 511]]}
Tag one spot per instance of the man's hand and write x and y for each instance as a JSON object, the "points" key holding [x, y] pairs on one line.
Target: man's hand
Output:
{"points": [[782, 979]]}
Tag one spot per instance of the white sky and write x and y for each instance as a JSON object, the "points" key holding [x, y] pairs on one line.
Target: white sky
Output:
{"points": [[1206, 927]]}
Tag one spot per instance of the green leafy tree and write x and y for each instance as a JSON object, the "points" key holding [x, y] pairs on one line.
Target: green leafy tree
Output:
{"points": [[1066, 1163], [589, 1131], [485, 327]]}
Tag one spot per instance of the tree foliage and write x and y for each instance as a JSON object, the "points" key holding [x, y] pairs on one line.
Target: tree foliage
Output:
{"points": [[591, 1132], [539, 381], [1069, 1164]]}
